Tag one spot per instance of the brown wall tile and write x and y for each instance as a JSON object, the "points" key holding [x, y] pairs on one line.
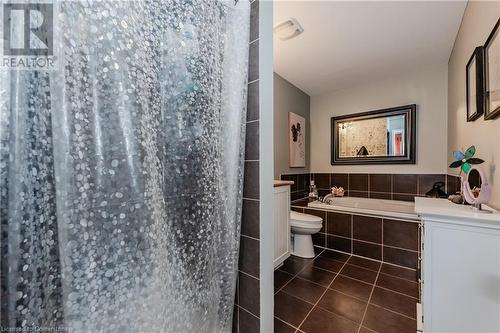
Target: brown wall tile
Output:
{"points": [[358, 194], [400, 257], [319, 239], [340, 180], [358, 182], [380, 183], [380, 195], [250, 218], [425, 182], [252, 141], [253, 62], [249, 256], [248, 288], [401, 234], [368, 250], [367, 228], [322, 180], [339, 224], [253, 101], [338, 243], [404, 184], [247, 322], [251, 180]]}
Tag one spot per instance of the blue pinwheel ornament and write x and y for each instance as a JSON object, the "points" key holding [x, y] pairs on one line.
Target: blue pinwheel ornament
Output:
{"points": [[464, 160]]}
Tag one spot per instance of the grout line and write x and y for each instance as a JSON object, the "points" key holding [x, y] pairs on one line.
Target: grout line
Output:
{"points": [[250, 82], [369, 299], [249, 275], [395, 312], [242, 308], [243, 235], [397, 292], [252, 121], [255, 40], [319, 299], [298, 272]]}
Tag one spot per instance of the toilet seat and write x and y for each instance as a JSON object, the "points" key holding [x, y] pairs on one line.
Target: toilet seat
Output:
{"points": [[304, 220]]}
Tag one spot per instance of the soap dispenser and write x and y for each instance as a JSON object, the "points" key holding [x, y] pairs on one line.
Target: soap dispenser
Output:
{"points": [[313, 191]]}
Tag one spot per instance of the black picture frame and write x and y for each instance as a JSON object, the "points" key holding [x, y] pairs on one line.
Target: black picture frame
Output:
{"points": [[475, 108], [410, 140], [493, 39]]}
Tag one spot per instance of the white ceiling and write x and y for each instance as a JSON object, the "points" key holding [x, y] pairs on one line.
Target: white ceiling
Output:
{"points": [[346, 43]]}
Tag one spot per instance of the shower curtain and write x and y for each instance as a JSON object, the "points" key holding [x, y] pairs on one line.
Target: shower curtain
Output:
{"points": [[121, 170]]}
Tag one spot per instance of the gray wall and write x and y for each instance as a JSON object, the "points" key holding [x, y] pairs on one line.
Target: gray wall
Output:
{"points": [[288, 98]]}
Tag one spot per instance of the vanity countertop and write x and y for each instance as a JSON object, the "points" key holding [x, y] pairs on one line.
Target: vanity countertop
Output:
{"points": [[277, 183], [447, 211]]}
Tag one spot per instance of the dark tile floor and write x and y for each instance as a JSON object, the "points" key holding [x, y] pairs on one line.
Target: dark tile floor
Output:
{"points": [[335, 292]]}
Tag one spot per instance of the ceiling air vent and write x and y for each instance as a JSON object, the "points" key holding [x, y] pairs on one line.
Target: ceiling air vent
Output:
{"points": [[288, 29]]}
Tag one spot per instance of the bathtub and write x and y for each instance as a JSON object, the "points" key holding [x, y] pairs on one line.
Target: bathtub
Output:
{"points": [[373, 207]]}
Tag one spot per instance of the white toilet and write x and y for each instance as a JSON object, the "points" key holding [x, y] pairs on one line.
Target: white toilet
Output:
{"points": [[302, 227]]}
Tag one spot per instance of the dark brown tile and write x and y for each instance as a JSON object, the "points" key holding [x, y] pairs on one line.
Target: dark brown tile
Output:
{"points": [[305, 290], [380, 183], [253, 101], [323, 193], [367, 228], [384, 321], [297, 209], [235, 319], [290, 309], [358, 182], [249, 256], [404, 273], [365, 330], [251, 180], [250, 218], [425, 182], [252, 141], [352, 287], [340, 180], [293, 265], [248, 323], [452, 184], [319, 239], [400, 257], [253, 62], [249, 291], [330, 265], [303, 181], [341, 304], [396, 302], [293, 178], [358, 194], [400, 285], [359, 273], [404, 183], [368, 250], [380, 195], [365, 263], [317, 275], [321, 321], [339, 224], [282, 327], [401, 234], [254, 21], [338, 243], [335, 255], [280, 279], [404, 197], [322, 180]]}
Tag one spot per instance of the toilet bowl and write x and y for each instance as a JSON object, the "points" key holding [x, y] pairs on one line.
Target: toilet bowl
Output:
{"points": [[302, 227]]}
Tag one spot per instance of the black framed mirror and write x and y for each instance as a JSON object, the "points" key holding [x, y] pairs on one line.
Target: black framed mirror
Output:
{"points": [[386, 136]]}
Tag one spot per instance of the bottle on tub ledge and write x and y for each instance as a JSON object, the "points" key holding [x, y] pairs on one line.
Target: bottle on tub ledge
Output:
{"points": [[313, 191]]}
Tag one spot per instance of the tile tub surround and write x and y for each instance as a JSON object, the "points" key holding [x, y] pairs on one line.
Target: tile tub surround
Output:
{"points": [[392, 241], [246, 312], [368, 185], [335, 292]]}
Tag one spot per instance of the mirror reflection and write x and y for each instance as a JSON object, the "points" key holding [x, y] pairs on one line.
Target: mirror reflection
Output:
{"points": [[383, 136]]}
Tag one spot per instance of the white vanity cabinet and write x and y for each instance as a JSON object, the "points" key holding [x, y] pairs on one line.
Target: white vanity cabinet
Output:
{"points": [[281, 222], [460, 268]]}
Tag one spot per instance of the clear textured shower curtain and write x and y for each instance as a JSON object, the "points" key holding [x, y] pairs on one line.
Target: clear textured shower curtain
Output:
{"points": [[121, 171]]}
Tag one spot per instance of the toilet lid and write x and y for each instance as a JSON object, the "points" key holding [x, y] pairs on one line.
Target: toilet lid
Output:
{"points": [[301, 219]]}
